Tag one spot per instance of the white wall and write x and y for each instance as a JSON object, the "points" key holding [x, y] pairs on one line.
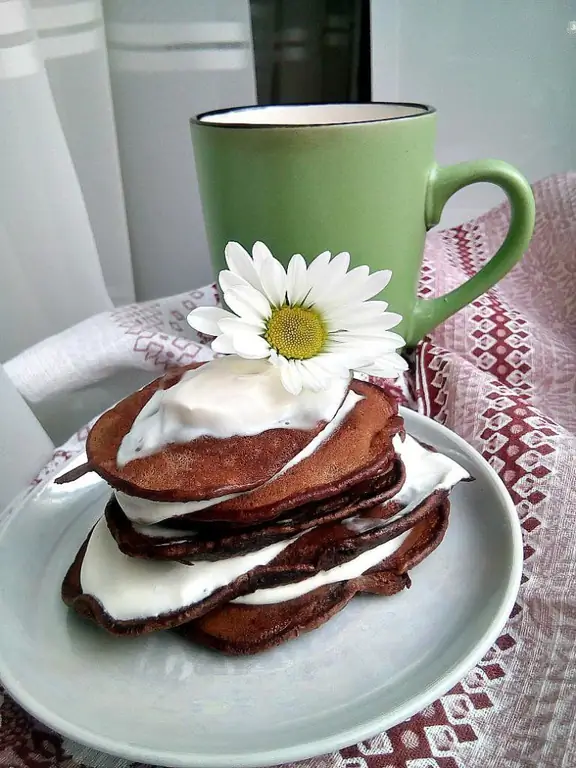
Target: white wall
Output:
{"points": [[502, 75]]}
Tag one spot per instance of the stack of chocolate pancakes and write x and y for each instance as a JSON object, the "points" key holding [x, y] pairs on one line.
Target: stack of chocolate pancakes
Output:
{"points": [[243, 529]]}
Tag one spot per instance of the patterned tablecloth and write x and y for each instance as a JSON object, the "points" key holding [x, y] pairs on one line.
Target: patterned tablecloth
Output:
{"points": [[502, 374]]}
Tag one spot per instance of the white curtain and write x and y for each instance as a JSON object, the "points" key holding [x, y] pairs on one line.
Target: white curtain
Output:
{"points": [[97, 182], [50, 275]]}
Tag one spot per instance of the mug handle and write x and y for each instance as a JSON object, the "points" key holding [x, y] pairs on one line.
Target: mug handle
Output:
{"points": [[443, 182]]}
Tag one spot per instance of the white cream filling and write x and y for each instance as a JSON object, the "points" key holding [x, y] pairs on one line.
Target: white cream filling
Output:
{"points": [[226, 397], [161, 532], [132, 588], [344, 572], [426, 472], [146, 512]]}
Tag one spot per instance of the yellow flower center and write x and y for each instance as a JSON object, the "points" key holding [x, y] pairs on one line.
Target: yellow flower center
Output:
{"points": [[295, 332]]}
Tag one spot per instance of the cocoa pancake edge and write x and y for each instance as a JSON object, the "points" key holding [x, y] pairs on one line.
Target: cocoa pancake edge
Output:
{"points": [[91, 608], [194, 471], [213, 542], [318, 548], [241, 629], [309, 612]]}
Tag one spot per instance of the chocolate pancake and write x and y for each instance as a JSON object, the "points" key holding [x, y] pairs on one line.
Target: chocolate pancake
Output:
{"points": [[241, 629], [210, 467], [221, 540], [197, 470], [320, 548]]}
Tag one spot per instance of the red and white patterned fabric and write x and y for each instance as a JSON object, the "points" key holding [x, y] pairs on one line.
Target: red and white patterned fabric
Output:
{"points": [[502, 374]]}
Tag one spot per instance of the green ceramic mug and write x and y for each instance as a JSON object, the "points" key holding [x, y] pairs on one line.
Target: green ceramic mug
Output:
{"points": [[347, 177]]}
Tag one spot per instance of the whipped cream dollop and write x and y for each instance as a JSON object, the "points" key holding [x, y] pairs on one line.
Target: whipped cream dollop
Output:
{"points": [[146, 512], [133, 588], [227, 397]]}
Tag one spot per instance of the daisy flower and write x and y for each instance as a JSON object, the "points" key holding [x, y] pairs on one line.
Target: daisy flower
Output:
{"points": [[312, 321]]}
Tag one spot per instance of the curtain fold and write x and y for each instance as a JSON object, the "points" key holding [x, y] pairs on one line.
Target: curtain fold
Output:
{"points": [[73, 44], [50, 276]]}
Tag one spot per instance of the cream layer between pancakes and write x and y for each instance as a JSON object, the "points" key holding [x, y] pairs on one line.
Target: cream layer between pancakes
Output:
{"points": [[129, 588], [226, 397], [146, 512], [426, 472], [350, 570]]}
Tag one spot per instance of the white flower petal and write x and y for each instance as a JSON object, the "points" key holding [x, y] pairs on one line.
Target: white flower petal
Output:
{"points": [[317, 269], [389, 367], [248, 303], [331, 281], [359, 355], [205, 319], [291, 379], [366, 328], [380, 325], [313, 375], [358, 358], [316, 277], [350, 284], [352, 316], [232, 325], [228, 279], [273, 279], [375, 283], [359, 286], [296, 280], [223, 345], [357, 351], [386, 340], [340, 263], [334, 363], [332, 305], [357, 277], [260, 253], [305, 378], [240, 263], [250, 346], [275, 358]]}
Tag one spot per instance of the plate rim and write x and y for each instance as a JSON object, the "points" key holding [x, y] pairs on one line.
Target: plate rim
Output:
{"points": [[326, 744]]}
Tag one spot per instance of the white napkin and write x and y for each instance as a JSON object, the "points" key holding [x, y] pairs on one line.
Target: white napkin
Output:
{"points": [[151, 336]]}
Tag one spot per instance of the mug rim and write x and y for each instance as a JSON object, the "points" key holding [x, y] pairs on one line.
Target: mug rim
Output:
{"points": [[203, 119]]}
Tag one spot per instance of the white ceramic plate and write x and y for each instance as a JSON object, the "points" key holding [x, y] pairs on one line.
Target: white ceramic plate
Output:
{"points": [[157, 699]]}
